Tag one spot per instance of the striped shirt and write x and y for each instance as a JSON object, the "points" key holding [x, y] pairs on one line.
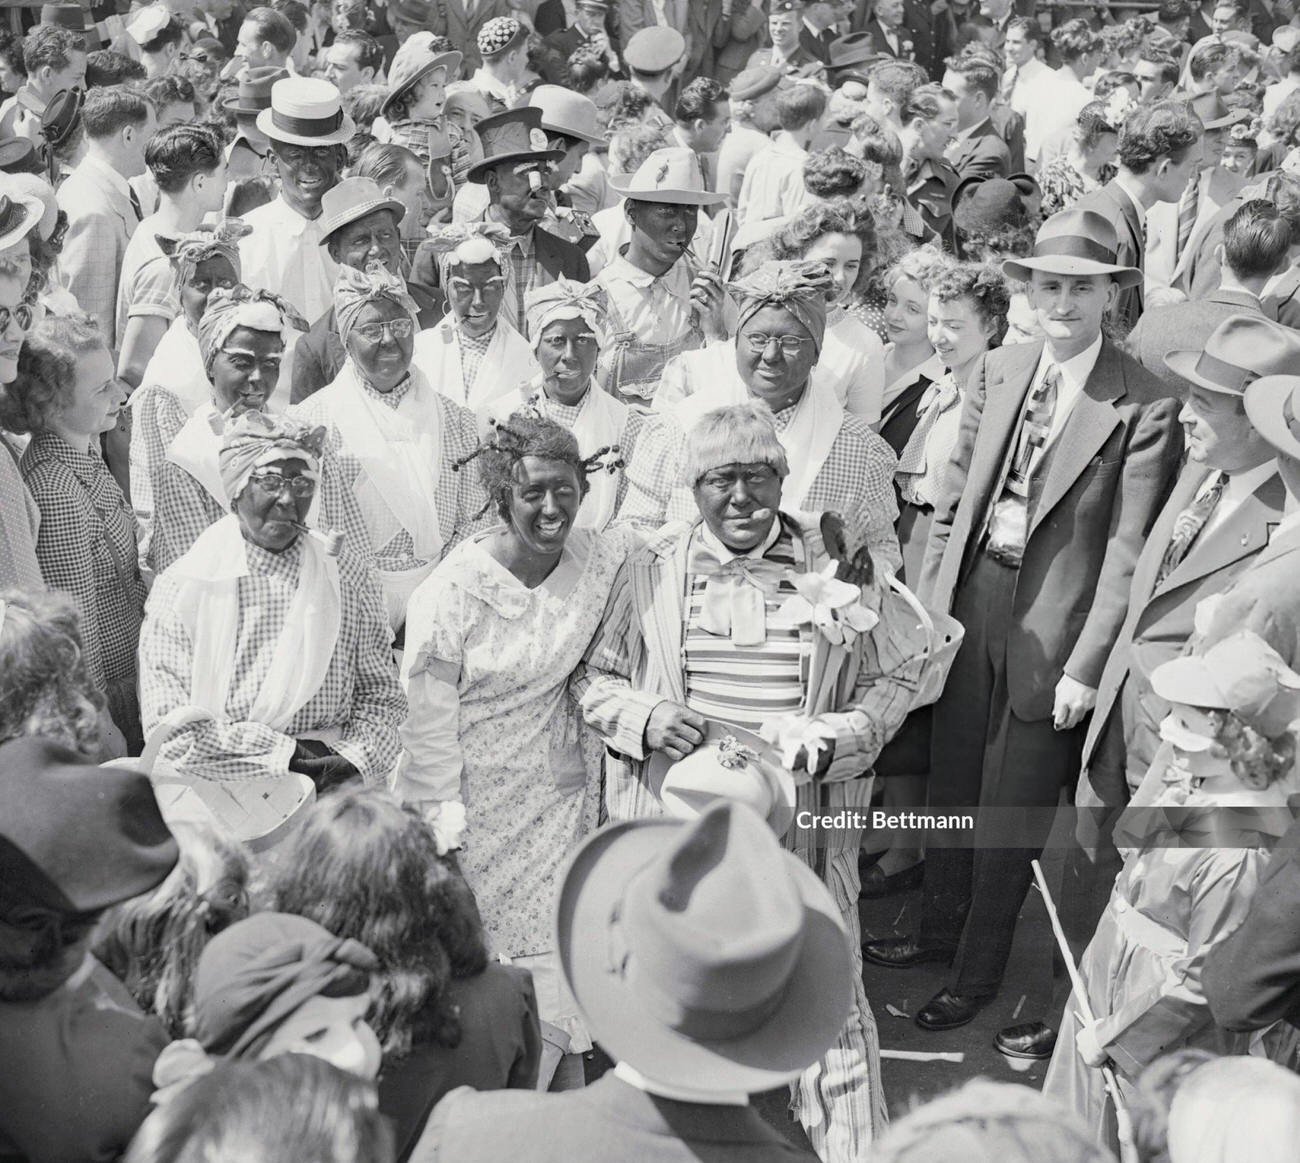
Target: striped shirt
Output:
{"points": [[743, 685]]}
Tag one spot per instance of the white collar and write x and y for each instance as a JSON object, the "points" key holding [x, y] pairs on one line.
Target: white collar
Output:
{"points": [[724, 554], [1075, 370], [674, 279], [678, 1093], [1243, 484]]}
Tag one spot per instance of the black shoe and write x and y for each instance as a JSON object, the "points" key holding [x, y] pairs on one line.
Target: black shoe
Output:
{"points": [[1034, 1040], [904, 952], [947, 1010], [877, 884]]}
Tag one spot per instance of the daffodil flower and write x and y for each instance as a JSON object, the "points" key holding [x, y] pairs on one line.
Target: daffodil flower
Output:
{"points": [[832, 606]]}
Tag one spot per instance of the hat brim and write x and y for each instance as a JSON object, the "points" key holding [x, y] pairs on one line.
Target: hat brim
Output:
{"points": [[232, 105], [1266, 400], [353, 213], [476, 173], [340, 136], [34, 211], [1234, 117], [1187, 681], [669, 196], [1061, 264], [1183, 363], [572, 131], [447, 60], [807, 1021]]}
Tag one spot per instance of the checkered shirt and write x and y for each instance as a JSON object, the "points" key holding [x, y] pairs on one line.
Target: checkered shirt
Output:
{"points": [[462, 491], [86, 548], [156, 417], [856, 481], [360, 694], [472, 350]]}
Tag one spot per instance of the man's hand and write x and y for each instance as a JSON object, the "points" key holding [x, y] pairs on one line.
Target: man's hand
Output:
{"points": [[1087, 1045], [1073, 701], [675, 730], [707, 296]]}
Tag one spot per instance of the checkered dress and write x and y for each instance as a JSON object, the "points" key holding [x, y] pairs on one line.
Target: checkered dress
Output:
{"points": [[472, 350], [856, 481], [360, 694], [156, 417], [86, 548]]}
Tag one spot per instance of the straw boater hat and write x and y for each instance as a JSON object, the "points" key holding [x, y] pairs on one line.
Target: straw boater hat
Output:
{"points": [[701, 953], [670, 175], [254, 92], [1241, 349], [306, 111], [513, 136], [412, 67], [351, 199], [1075, 242]]}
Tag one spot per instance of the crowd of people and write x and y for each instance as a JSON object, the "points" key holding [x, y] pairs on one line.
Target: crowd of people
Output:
{"points": [[494, 494]]}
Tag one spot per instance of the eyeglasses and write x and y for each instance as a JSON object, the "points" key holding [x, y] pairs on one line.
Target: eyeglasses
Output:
{"points": [[394, 328], [22, 315], [790, 345], [274, 483]]}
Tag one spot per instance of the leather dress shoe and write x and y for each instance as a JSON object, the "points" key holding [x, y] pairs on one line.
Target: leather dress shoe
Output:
{"points": [[877, 884], [948, 1010], [904, 952], [1034, 1040]]}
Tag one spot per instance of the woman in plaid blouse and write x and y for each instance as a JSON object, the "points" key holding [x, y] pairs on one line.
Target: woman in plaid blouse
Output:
{"points": [[66, 395]]}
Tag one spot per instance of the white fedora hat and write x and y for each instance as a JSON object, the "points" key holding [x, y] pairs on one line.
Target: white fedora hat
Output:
{"points": [[306, 111], [670, 175]]}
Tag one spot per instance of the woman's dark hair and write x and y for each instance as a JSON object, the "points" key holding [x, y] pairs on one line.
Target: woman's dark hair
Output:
{"points": [[106, 66], [584, 70], [364, 103], [152, 943], [47, 370], [292, 1108], [1285, 120], [170, 89], [179, 152], [45, 687], [11, 51], [45, 253], [1074, 39], [851, 216], [1257, 760], [1151, 132], [833, 173], [363, 866], [1107, 83], [1091, 125], [986, 289], [524, 435]]}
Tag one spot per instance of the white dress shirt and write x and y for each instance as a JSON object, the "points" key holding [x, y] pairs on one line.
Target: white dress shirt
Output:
{"points": [[1074, 374], [773, 185], [1240, 486], [284, 254]]}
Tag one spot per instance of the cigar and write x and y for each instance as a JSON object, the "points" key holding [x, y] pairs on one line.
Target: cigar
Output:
{"points": [[760, 514], [535, 181], [331, 539]]}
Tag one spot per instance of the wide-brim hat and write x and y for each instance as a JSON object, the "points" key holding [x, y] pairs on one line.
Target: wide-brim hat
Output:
{"points": [[18, 156], [19, 216], [69, 16], [352, 199], [567, 112], [691, 1023], [515, 135], [730, 763], [1273, 406], [408, 72], [671, 175], [857, 48], [1075, 242], [306, 111], [1239, 350], [254, 92], [1214, 114]]}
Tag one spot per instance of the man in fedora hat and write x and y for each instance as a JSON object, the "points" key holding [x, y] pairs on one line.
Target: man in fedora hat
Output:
{"points": [[516, 171], [662, 299], [695, 1026], [360, 224], [1065, 453], [55, 59], [76, 1052], [1159, 151], [249, 154], [1223, 506], [571, 122], [307, 129]]}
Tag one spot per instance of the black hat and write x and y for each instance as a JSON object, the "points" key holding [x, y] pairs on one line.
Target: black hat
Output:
{"points": [[513, 136], [62, 116]]}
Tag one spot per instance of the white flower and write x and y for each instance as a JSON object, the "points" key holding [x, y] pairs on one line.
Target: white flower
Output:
{"points": [[448, 822], [834, 607]]}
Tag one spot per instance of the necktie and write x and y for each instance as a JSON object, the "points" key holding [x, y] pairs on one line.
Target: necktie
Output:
{"points": [[1187, 206], [736, 594], [1034, 430], [135, 205], [1009, 82], [1188, 527], [939, 397]]}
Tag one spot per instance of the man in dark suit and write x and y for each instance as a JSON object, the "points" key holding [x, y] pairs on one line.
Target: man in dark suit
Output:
{"points": [[929, 127], [978, 150], [1159, 151], [820, 18], [1224, 505], [784, 23], [742, 1012], [592, 28], [1256, 245], [1064, 457]]}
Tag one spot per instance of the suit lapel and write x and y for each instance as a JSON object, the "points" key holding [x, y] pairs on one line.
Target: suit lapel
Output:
{"points": [[1162, 532], [1244, 533], [1090, 422], [662, 580]]}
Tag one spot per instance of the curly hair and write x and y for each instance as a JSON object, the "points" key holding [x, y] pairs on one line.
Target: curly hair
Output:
{"points": [[1256, 760], [622, 104], [1151, 132], [366, 867], [850, 216], [926, 103], [984, 286], [47, 370], [630, 145], [1075, 39], [833, 173], [1091, 125], [152, 943], [1125, 39], [992, 245], [923, 266], [584, 70], [524, 434], [176, 154], [45, 687]]}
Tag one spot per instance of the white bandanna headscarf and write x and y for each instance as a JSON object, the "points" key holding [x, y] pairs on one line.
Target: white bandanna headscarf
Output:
{"points": [[566, 299]]}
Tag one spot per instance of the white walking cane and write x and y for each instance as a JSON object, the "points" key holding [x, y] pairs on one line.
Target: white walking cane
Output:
{"points": [[1123, 1123]]}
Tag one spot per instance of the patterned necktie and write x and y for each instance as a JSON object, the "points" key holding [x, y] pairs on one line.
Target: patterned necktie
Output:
{"points": [[1188, 527], [1009, 83], [1035, 429], [135, 205], [1187, 207]]}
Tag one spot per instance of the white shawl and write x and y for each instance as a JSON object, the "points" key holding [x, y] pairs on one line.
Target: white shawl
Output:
{"points": [[600, 424], [197, 448], [507, 363], [209, 608]]}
